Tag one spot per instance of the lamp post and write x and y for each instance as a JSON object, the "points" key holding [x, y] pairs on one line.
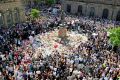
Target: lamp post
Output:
{"points": [[62, 31], [62, 16]]}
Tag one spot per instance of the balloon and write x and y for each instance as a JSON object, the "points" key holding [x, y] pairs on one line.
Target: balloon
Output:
{"points": [[56, 46]]}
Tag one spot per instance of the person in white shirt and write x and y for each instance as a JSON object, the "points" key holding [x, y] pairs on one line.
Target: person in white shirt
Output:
{"points": [[31, 39]]}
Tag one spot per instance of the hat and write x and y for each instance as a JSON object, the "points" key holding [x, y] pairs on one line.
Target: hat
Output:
{"points": [[38, 72]]}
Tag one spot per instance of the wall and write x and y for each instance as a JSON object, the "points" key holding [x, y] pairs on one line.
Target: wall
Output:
{"points": [[4, 7], [99, 6]]}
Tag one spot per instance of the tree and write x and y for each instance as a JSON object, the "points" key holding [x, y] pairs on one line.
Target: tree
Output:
{"points": [[38, 0], [50, 2], [115, 36], [115, 39], [34, 13], [36, 3]]}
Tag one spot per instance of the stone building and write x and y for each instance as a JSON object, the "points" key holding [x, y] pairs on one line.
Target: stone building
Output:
{"points": [[107, 9], [11, 11]]}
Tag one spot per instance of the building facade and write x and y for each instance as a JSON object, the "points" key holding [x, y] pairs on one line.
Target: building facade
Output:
{"points": [[106, 9], [11, 12]]}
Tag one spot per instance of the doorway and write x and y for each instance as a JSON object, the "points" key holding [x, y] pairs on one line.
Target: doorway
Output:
{"points": [[105, 13]]}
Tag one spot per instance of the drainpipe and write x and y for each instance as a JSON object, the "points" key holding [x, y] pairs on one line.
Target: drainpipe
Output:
{"points": [[113, 9], [86, 9]]}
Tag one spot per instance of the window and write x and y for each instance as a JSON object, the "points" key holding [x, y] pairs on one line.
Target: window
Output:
{"points": [[1, 19], [9, 18], [80, 10], [68, 8], [16, 15], [105, 14], [118, 16], [92, 12]]}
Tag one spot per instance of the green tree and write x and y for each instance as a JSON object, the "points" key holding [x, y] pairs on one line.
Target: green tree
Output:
{"points": [[115, 36], [50, 2], [37, 2], [34, 13]]}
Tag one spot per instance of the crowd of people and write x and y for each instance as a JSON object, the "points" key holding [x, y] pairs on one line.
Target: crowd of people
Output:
{"points": [[93, 60]]}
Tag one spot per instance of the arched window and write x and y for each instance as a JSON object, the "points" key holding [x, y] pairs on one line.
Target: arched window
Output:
{"points": [[80, 9], [9, 18], [68, 8], [92, 12], [118, 16], [16, 15], [1, 18], [105, 14]]}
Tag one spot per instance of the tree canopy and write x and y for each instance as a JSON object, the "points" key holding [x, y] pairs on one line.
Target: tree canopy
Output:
{"points": [[115, 36], [35, 13], [50, 2], [38, 0]]}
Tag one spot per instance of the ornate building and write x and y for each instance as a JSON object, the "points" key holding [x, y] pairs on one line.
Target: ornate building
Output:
{"points": [[11, 11], [107, 9]]}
